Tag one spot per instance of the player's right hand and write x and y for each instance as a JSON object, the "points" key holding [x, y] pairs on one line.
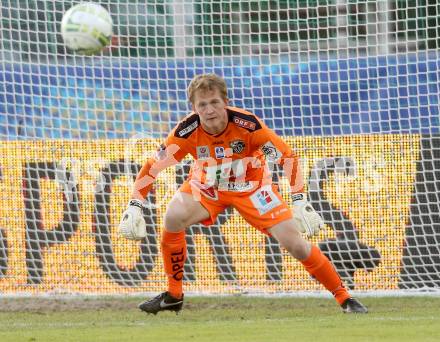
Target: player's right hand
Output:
{"points": [[306, 219], [133, 226]]}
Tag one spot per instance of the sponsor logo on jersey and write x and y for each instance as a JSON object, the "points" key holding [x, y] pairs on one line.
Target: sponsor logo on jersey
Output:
{"points": [[270, 151], [237, 186], [206, 190], [210, 192], [237, 146], [188, 129], [202, 152], [218, 142], [244, 123], [278, 212], [219, 152], [265, 199]]}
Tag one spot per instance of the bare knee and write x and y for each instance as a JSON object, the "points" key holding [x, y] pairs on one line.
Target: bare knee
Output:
{"points": [[182, 212], [175, 220], [291, 240], [299, 248]]}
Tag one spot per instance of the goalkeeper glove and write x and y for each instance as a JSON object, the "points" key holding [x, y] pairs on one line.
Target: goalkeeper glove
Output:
{"points": [[306, 219], [133, 226]]}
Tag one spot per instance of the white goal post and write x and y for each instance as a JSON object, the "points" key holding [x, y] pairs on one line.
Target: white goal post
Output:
{"points": [[352, 85]]}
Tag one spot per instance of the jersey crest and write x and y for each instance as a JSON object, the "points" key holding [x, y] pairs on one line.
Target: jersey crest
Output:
{"points": [[237, 146]]}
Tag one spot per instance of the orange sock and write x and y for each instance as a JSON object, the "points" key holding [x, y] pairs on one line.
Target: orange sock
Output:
{"points": [[318, 265], [174, 256]]}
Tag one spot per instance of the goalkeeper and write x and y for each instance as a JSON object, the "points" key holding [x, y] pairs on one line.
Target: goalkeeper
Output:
{"points": [[231, 148]]}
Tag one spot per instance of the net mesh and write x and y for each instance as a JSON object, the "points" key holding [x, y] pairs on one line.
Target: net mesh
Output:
{"points": [[352, 85]]}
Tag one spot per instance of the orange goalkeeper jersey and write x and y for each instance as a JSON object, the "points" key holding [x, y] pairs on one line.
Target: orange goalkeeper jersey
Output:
{"points": [[234, 160]]}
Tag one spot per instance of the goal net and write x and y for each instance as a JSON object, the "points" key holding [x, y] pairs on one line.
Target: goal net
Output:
{"points": [[352, 86]]}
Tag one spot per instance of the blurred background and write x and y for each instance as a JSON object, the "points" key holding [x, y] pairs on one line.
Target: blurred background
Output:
{"points": [[261, 39], [30, 29]]}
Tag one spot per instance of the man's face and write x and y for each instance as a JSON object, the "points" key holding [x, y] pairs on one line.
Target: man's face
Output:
{"points": [[211, 107]]}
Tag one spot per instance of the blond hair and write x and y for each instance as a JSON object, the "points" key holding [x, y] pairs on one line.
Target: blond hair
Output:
{"points": [[207, 82]]}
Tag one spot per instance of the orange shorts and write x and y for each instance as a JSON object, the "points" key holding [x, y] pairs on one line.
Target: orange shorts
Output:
{"points": [[261, 208]]}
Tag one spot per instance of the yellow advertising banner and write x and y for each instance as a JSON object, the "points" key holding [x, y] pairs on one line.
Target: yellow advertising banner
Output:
{"points": [[61, 203]]}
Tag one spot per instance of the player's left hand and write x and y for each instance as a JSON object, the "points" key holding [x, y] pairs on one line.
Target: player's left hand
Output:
{"points": [[306, 219]]}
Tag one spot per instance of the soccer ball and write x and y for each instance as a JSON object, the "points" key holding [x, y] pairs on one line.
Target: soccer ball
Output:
{"points": [[87, 28]]}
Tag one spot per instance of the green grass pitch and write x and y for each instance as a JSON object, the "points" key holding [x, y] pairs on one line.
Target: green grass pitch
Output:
{"points": [[240, 318]]}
